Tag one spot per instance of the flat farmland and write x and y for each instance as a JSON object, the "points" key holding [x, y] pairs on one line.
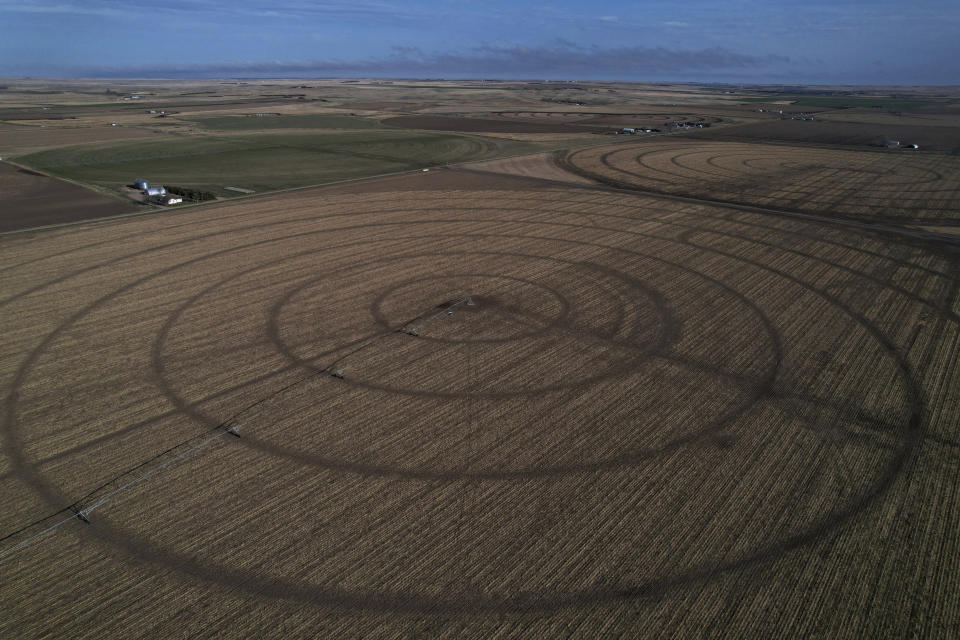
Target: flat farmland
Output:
{"points": [[471, 405], [896, 186], [250, 122], [938, 118], [266, 161], [31, 199], [505, 125], [16, 139], [866, 131], [540, 165], [650, 119]]}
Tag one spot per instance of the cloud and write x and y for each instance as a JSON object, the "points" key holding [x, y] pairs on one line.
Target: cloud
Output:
{"points": [[564, 59], [353, 11], [60, 8]]}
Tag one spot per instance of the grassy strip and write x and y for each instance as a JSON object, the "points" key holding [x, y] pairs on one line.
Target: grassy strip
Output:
{"points": [[267, 162]]}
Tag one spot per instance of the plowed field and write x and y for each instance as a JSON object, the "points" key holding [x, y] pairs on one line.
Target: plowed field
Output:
{"points": [[478, 407], [31, 199]]}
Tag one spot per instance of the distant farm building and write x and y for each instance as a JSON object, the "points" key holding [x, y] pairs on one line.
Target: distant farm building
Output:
{"points": [[140, 184], [631, 131], [155, 191], [171, 199]]}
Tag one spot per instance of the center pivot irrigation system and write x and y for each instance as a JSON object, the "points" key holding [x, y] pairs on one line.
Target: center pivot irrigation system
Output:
{"points": [[85, 506], [414, 330]]}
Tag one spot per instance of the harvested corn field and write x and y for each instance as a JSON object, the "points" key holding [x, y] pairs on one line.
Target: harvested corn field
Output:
{"points": [[462, 405], [539, 165], [889, 186]]}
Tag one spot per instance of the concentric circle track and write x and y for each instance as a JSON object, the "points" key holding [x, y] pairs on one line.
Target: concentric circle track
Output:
{"points": [[639, 390], [901, 188]]}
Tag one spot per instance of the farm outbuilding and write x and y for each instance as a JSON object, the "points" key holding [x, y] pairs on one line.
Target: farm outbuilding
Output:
{"points": [[155, 191], [141, 184]]}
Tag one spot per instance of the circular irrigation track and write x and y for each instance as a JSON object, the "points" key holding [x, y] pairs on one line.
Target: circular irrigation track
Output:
{"points": [[488, 400], [899, 186]]}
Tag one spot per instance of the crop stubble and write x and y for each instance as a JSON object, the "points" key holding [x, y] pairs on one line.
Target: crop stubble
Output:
{"points": [[898, 187], [648, 402]]}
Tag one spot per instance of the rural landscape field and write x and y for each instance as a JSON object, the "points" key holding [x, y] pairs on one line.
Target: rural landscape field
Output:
{"points": [[479, 360]]}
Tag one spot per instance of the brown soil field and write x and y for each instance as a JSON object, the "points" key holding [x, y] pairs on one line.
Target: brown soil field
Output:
{"points": [[453, 123], [31, 199], [938, 138], [886, 186], [384, 105], [551, 117], [559, 139], [478, 406], [651, 120]]}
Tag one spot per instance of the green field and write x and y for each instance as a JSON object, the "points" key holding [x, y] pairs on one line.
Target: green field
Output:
{"points": [[276, 121], [266, 162]]}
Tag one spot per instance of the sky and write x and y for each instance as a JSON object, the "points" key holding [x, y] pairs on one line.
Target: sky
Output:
{"points": [[732, 41]]}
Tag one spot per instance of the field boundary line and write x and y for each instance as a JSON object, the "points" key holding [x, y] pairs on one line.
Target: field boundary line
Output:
{"points": [[260, 194], [604, 185], [917, 233], [88, 187], [179, 208]]}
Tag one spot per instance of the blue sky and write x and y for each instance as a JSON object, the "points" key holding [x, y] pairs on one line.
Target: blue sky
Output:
{"points": [[813, 42]]}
